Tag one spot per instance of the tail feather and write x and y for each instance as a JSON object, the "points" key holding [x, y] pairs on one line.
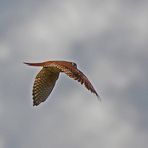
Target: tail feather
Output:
{"points": [[34, 64]]}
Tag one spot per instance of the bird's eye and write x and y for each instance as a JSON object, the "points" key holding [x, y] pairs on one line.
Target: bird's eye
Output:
{"points": [[74, 64]]}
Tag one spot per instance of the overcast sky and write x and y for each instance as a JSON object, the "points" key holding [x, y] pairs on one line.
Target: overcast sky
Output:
{"points": [[108, 39]]}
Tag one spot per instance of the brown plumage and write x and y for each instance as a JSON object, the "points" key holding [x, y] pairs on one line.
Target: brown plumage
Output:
{"points": [[47, 77]]}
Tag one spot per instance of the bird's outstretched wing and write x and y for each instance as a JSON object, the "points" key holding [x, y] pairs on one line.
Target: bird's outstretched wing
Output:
{"points": [[43, 85], [76, 74]]}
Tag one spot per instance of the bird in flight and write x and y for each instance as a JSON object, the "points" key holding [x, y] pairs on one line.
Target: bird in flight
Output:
{"points": [[47, 77]]}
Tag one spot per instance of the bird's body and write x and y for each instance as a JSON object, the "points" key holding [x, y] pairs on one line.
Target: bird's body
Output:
{"points": [[47, 77]]}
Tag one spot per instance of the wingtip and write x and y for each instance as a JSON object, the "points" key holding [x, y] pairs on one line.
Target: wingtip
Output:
{"points": [[25, 63], [35, 103], [98, 97], [34, 64]]}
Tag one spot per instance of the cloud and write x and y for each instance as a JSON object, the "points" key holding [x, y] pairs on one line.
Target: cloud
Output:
{"points": [[4, 52], [107, 39]]}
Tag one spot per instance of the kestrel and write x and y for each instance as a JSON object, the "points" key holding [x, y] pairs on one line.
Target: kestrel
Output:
{"points": [[47, 77]]}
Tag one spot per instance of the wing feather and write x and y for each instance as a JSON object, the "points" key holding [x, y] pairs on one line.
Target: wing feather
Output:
{"points": [[43, 85], [76, 74]]}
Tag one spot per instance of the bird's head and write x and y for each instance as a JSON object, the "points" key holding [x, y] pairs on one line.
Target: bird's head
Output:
{"points": [[74, 64]]}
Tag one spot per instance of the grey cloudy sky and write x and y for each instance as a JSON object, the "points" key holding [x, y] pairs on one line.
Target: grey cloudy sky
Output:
{"points": [[108, 39]]}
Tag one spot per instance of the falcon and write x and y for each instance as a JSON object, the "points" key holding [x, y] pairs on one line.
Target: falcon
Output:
{"points": [[47, 77]]}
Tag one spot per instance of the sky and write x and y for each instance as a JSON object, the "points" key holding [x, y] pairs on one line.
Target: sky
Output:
{"points": [[108, 41]]}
